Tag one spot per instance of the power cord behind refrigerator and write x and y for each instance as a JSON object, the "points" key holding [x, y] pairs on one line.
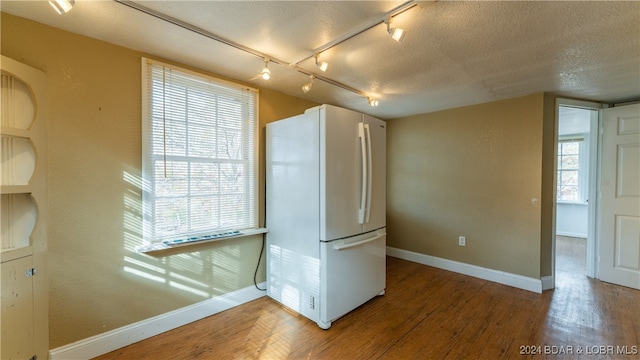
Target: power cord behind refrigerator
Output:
{"points": [[255, 274]]}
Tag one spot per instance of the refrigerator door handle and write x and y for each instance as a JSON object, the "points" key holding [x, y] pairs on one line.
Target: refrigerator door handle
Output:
{"points": [[342, 246], [370, 172], [363, 152]]}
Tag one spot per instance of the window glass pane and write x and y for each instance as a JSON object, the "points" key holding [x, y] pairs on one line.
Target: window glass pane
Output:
{"points": [[569, 193], [202, 141], [172, 138], [570, 178], [175, 183], [230, 114], [570, 148], [231, 178], [570, 162], [234, 207], [204, 212], [204, 178], [170, 216], [229, 144], [202, 108]]}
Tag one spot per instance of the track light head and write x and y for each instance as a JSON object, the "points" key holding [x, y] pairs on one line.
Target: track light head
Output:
{"points": [[372, 101], [266, 73], [397, 34], [322, 65], [307, 87], [62, 6]]}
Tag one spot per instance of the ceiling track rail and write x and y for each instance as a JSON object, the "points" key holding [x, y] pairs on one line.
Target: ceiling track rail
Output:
{"points": [[366, 26], [268, 57]]}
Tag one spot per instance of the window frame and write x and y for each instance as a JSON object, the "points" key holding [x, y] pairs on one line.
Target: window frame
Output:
{"points": [[249, 133], [583, 176]]}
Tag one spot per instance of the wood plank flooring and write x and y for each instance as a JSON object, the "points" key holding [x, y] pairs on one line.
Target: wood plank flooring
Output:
{"points": [[426, 313]]}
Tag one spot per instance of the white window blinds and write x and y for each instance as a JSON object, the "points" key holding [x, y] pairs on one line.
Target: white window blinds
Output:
{"points": [[199, 146]]}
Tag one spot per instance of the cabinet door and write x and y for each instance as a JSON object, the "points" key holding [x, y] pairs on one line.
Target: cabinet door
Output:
{"points": [[16, 315]]}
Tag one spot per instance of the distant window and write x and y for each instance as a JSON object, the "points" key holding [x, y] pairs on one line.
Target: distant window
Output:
{"points": [[199, 154], [571, 169]]}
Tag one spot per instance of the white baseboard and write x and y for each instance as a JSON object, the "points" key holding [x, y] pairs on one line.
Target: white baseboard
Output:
{"points": [[502, 277], [548, 282], [112, 340]]}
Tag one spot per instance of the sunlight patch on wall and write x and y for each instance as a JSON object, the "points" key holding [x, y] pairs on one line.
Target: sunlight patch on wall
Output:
{"points": [[204, 273]]}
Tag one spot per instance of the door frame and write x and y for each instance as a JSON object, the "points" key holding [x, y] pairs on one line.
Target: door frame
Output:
{"points": [[595, 138]]}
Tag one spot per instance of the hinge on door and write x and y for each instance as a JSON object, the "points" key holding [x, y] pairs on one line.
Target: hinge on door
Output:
{"points": [[30, 272]]}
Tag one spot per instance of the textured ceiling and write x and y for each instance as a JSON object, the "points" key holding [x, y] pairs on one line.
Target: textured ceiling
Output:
{"points": [[454, 53]]}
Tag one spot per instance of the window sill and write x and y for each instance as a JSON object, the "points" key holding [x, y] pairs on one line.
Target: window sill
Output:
{"points": [[161, 246], [572, 203]]}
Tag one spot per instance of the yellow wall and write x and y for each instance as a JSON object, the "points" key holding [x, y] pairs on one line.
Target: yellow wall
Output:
{"points": [[473, 171], [470, 171], [97, 281]]}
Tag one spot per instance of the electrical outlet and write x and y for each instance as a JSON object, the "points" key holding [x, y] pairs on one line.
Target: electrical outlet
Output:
{"points": [[462, 241]]}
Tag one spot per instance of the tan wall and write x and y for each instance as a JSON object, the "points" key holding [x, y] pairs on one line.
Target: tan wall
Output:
{"points": [[97, 281], [471, 171], [549, 156]]}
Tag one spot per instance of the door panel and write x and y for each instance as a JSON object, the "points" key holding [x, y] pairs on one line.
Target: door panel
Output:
{"points": [[378, 131], [341, 180], [620, 203]]}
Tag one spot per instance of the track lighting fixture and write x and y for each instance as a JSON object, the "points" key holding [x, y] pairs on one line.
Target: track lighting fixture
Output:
{"points": [[266, 74], [307, 87], [62, 6], [322, 65], [397, 34]]}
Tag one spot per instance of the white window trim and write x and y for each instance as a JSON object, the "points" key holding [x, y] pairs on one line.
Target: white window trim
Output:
{"points": [[161, 244], [583, 175]]}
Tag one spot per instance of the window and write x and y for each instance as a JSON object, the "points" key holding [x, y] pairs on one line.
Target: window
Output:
{"points": [[199, 149], [571, 169]]}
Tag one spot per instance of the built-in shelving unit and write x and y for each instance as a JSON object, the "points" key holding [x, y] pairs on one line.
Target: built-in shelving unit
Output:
{"points": [[23, 238]]}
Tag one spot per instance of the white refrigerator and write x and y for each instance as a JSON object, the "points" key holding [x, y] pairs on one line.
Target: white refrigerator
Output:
{"points": [[326, 199]]}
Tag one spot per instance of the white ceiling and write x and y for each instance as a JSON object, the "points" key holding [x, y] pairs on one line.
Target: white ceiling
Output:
{"points": [[454, 53]]}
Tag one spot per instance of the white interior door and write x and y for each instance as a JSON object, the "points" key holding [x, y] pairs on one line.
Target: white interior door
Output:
{"points": [[619, 235]]}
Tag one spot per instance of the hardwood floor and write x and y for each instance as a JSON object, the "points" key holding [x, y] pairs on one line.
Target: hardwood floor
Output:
{"points": [[426, 313]]}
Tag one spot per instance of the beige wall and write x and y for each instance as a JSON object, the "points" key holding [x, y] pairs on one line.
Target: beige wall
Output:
{"points": [[470, 171], [97, 281], [474, 171]]}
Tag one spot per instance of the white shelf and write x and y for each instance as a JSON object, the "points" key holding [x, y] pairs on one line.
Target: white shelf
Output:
{"points": [[12, 254], [16, 189], [22, 133]]}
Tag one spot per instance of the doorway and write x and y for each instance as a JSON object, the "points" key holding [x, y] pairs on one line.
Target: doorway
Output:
{"points": [[577, 141]]}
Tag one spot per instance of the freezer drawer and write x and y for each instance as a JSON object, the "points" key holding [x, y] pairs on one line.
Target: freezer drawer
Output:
{"points": [[353, 271]]}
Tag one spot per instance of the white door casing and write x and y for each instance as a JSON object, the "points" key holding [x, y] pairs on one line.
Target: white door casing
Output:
{"points": [[619, 235]]}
